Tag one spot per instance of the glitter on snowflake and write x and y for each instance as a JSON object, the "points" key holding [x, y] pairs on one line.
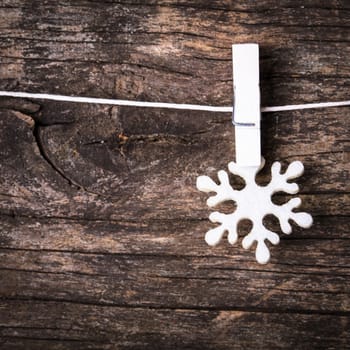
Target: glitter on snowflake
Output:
{"points": [[254, 202]]}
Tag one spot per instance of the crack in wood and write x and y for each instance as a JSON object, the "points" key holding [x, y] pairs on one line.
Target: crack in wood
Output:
{"points": [[44, 155], [249, 309]]}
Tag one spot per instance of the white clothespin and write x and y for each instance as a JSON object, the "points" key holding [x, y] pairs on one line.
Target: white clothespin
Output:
{"points": [[246, 110]]}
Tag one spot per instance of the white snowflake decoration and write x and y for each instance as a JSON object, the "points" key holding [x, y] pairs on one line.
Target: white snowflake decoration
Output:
{"points": [[254, 203]]}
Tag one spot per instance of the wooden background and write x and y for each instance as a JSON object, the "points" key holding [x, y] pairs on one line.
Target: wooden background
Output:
{"points": [[102, 228]]}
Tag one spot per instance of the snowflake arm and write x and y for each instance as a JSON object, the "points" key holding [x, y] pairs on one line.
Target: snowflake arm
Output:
{"points": [[246, 173], [228, 222], [259, 234], [284, 213], [279, 182], [224, 191]]}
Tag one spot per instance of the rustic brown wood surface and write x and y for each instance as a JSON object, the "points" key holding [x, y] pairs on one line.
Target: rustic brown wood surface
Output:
{"points": [[101, 226]]}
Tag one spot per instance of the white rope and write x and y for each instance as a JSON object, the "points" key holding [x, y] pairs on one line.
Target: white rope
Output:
{"points": [[164, 104], [305, 106]]}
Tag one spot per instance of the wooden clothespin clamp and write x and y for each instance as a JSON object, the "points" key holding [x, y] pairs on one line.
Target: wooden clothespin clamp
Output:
{"points": [[246, 109]]}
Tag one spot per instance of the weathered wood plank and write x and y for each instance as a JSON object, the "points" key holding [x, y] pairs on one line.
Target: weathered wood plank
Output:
{"points": [[76, 328], [324, 249], [139, 41], [180, 282], [120, 179]]}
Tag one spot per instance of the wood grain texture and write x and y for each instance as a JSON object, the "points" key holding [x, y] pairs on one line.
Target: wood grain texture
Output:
{"points": [[101, 226]]}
